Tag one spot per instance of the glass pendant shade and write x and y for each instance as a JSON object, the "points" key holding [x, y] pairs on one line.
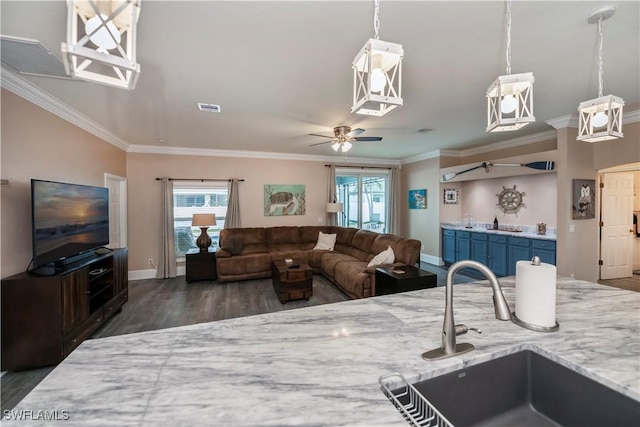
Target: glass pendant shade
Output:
{"points": [[600, 119], [101, 42], [377, 78], [335, 146], [346, 146], [510, 102]]}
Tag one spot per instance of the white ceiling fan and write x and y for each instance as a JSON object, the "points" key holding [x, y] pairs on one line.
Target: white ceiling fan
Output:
{"points": [[344, 138]]}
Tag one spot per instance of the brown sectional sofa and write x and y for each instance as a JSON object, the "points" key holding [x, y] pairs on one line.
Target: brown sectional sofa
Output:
{"points": [[247, 253]]}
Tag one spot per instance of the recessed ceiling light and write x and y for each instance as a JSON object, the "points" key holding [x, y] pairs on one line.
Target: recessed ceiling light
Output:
{"points": [[161, 140], [208, 108]]}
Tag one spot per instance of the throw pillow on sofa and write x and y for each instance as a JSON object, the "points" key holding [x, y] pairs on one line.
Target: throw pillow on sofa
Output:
{"points": [[385, 257], [325, 241], [232, 245]]}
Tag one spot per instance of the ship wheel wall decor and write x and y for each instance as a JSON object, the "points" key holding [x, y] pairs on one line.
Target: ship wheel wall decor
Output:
{"points": [[510, 200]]}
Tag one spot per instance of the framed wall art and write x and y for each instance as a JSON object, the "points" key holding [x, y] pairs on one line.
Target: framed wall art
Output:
{"points": [[584, 193], [450, 196], [282, 200], [418, 199]]}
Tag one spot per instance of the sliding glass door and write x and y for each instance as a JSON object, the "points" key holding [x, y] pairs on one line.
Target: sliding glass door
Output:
{"points": [[364, 195]]}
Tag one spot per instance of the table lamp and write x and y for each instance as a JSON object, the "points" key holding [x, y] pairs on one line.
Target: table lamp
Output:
{"points": [[334, 207], [204, 221]]}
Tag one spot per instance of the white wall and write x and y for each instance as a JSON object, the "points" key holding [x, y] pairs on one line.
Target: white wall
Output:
{"points": [[480, 199]]}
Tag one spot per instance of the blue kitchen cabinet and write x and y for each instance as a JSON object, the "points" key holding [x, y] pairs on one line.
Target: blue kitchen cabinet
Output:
{"points": [[479, 247], [545, 249], [519, 248], [463, 245], [448, 246], [497, 255]]}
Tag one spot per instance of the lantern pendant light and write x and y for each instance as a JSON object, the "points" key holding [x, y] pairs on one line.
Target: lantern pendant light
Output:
{"points": [[510, 97], [600, 119], [377, 75], [101, 42]]}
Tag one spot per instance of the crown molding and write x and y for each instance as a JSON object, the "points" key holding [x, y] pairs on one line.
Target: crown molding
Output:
{"points": [[424, 156], [32, 93], [185, 151], [568, 121], [631, 117]]}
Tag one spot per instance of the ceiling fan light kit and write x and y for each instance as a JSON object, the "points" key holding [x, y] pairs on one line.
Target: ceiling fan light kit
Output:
{"points": [[510, 97], [377, 75], [101, 42], [600, 119], [344, 136]]}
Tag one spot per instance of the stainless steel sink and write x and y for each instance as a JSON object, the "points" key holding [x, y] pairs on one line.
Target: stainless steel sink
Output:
{"points": [[522, 389]]}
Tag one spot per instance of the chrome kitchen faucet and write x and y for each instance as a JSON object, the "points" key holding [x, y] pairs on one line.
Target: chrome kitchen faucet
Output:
{"points": [[449, 328]]}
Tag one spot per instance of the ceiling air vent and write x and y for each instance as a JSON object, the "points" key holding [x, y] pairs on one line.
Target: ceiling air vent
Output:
{"points": [[30, 57], [208, 108]]}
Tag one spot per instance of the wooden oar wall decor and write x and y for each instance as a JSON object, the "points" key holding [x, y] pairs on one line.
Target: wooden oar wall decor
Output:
{"points": [[547, 166]]}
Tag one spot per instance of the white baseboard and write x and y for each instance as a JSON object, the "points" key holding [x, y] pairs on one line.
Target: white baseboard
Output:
{"points": [[430, 259], [151, 273]]}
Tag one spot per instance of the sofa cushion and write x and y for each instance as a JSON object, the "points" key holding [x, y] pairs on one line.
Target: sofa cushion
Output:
{"points": [[407, 251], [385, 257], [309, 233], [344, 235], [282, 235], [353, 279], [243, 264], [233, 245], [325, 241], [330, 260], [363, 240]]}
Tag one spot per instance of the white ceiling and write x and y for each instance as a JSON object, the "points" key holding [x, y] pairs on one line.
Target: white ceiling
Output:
{"points": [[282, 70]]}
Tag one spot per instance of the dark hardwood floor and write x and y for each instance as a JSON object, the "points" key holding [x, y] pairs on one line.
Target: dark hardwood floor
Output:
{"points": [[157, 304], [629, 283]]}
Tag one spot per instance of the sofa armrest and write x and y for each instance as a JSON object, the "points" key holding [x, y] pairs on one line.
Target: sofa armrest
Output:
{"points": [[222, 253]]}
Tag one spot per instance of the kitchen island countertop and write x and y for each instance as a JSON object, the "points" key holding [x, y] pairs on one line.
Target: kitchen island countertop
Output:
{"points": [[319, 366]]}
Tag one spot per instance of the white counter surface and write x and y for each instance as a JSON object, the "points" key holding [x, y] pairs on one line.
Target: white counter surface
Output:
{"points": [[319, 366], [480, 229]]}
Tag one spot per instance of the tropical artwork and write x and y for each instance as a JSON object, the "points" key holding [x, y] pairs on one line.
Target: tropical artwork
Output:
{"points": [[282, 200], [418, 199]]}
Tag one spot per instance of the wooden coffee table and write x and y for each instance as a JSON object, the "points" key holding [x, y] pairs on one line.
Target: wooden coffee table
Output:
{"points": [[295, 282]]}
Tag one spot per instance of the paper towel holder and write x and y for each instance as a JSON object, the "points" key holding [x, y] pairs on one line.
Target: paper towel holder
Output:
{"points": [[534, 261], [536, 328]]}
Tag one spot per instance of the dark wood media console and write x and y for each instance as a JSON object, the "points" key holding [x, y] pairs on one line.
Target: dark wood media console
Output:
{"points": [[46, 318]]}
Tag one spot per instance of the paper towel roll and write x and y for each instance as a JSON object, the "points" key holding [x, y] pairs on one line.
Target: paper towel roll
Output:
{"points": [[536, 293]]}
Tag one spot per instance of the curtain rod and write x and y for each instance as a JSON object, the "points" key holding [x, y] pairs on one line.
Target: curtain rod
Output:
{"points": [[361, 167], [198, 179]]}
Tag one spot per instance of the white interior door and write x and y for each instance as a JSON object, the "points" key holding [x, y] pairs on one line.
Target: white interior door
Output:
{"points": [[616, 243], [117, 186]]}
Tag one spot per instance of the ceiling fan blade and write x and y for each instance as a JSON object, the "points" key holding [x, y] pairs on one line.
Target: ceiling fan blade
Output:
{"points": [[324, 136], [323, 142], [355, 132], [368, 138]]}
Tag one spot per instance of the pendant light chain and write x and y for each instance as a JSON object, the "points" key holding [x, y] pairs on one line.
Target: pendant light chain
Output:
{"points": [[508, 37], [376, 18], [600, 66]]}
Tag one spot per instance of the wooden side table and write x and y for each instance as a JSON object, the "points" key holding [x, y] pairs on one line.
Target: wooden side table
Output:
{"points": [[391, 281], [201, 265]]}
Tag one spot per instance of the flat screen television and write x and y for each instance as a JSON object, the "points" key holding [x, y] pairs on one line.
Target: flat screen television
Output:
{"points": [[67, 220]]}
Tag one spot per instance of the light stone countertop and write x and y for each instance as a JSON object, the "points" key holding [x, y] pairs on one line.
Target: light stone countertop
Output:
{"points": [[485, 228], [319, 366]]}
